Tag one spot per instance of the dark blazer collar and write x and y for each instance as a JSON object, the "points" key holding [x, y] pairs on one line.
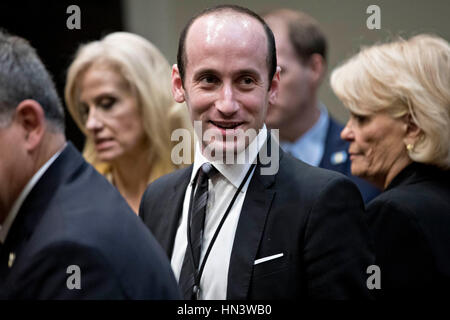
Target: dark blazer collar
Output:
{"points": [[416, 172], [334, 144], [39, 198], [175, 209], [249, 232]]}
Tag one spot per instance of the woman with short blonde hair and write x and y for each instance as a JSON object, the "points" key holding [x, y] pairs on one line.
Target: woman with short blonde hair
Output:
{"points": [[398, 95], [116, 85], [404, 78]]}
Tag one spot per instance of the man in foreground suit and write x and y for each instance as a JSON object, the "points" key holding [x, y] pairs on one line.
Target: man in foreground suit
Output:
{"points": [[307, 131], [295, 233], [66, 233]]}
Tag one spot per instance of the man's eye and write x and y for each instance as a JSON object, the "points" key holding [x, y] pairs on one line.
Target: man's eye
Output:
{"points": [[246, 81], [208, 79]]}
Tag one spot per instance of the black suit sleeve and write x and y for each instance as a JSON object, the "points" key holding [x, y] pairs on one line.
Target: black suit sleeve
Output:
{"points": [[337, 248]]}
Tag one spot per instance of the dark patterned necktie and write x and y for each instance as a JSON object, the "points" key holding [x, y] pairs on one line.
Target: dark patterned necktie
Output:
{"points": [[192, 257]]}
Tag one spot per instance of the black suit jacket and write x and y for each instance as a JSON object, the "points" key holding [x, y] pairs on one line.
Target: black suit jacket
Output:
{"points": [[311, 215], [333, 145], [410, 223], [73, 216]]}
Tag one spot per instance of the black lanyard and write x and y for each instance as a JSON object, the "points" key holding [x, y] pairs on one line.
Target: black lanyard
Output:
{"points": [[199, 272]]}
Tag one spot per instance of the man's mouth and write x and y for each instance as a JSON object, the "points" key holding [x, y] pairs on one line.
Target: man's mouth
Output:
{"points": [[226, 125]]}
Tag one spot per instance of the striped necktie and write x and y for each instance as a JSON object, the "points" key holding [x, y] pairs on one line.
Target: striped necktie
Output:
{"points": [[191, 260]]}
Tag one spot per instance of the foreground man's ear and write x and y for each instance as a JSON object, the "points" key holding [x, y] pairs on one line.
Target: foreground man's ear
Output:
{"points": [[274, 86], [29, 116]]}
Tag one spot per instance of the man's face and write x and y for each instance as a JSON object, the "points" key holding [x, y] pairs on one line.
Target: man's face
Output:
{"points": [[226, 86], [12, 166], [295, 91]]}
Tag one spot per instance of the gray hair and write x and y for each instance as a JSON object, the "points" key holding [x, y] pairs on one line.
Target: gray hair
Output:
{"points": [[24, 76]]}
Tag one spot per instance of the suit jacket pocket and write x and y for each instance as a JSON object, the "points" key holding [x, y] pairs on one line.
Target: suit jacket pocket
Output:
{"points": [[269, 267]]}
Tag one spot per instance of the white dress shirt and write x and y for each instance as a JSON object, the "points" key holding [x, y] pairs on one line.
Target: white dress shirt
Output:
{"points": [[4, 228], [222, 187]]}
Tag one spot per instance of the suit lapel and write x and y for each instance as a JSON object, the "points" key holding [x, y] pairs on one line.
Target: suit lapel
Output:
{"points": [[36, 203], [173, 211], [249, 234], [335, 155]]}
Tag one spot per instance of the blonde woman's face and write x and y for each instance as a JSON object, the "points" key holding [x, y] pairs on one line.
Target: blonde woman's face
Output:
{"points": [[110, 114], [376, 144]]}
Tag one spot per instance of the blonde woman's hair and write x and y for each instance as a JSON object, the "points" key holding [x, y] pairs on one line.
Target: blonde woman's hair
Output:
{"points": [[404, 77], [147, 73]]}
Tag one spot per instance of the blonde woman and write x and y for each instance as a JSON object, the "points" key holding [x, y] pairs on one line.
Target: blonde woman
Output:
{"points": [[118, 92], [398, 95]]}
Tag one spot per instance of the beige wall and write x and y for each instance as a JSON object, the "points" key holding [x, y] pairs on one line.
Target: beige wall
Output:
{"points": [[344, 23]]}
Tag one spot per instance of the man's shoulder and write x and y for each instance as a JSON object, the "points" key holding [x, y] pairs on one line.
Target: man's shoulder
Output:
{"points": [[74, 216], [167, 182], [305, 174], [83, 208], [88, 217], [89, 211], [305, 186]]}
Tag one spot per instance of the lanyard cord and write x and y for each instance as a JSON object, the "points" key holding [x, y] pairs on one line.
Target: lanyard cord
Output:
{"points": [[198, 274]]}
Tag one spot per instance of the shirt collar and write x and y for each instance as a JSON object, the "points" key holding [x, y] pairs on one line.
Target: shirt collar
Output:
{"points": [[4, 229], [234, 173]]}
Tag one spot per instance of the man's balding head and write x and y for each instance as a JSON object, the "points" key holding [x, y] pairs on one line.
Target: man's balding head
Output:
{"points": [[217, 11]]}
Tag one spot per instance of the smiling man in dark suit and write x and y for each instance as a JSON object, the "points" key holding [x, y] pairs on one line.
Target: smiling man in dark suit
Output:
{"points": [[234, 230], [65, 232]]}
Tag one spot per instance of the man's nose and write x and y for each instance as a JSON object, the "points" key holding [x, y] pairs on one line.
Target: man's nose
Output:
{"points": [[227, 103]]}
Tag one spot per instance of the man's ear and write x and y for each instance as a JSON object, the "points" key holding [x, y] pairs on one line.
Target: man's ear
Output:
{"points": [[177, 85], [29, 116], [318, 67], [274, 86]]}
